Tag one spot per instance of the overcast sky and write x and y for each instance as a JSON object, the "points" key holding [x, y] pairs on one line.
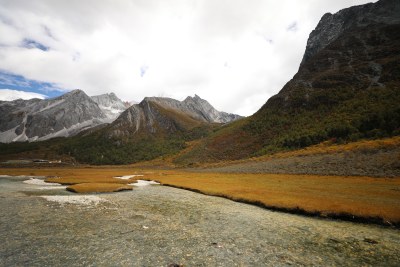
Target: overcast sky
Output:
{"points": [[233, 53]]}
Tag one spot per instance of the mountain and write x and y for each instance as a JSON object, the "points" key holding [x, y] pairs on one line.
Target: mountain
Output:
{"points": [[110, 104], [196, 108], [167, 115], [156, 126], [201, 109], [347, 88], [74, 112], [36, 119]]}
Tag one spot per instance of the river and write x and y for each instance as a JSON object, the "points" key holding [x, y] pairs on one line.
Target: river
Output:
{"points": [[158, 226]]}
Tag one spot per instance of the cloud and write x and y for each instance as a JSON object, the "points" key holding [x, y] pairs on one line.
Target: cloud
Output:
{"points": [[235, 54], [10, 94]]}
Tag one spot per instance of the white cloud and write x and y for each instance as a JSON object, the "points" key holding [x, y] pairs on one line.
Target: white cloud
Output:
{"points": [[10, 95], [235, 54]]}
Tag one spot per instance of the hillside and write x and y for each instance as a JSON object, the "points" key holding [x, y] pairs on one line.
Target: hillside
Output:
{"points": [[347, 88]]}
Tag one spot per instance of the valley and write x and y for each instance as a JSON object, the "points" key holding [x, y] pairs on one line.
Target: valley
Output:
{"points": [[312, 178]]}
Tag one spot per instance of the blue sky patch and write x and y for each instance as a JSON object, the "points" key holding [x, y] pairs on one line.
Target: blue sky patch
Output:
{"points": [[143, 70], [29, 43], [293, 27], [18, 82]]}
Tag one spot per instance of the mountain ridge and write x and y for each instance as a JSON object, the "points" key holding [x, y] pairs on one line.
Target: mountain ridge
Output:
{"points": [[74, 112]]}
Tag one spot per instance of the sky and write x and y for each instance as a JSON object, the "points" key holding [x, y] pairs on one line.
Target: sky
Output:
{"points": [[234, 53]]}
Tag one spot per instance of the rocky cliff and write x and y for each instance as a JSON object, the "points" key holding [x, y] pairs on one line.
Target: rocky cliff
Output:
{"points": [[331, 26], [355, 49]]}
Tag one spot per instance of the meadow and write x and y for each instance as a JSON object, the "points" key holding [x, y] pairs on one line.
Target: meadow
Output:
{"points": [[356, 198]]}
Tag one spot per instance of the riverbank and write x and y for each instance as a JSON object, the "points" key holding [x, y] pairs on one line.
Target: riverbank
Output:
{"points": [[159, 225]]}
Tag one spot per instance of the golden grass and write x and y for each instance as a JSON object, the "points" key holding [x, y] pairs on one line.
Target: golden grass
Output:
{"points": [[71, 175], [329, 147], [360, 196], [98, 187]]}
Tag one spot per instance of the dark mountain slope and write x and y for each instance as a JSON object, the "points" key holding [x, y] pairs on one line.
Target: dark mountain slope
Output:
{"points": [[347, 88]]}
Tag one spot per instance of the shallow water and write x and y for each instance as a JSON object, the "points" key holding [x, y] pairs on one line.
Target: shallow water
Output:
{"points": [[158, 225]]}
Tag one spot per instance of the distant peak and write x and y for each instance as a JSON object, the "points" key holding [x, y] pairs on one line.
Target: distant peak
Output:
{"points": [[74, 92], [196, 97]]}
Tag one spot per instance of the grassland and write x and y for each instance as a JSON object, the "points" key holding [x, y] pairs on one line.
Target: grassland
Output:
{"points": [[359, 198]]}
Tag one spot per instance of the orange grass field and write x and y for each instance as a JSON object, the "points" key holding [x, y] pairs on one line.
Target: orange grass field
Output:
{"points": [[363, 197]]}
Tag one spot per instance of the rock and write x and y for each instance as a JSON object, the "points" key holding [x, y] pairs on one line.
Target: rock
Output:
{"points": [[370, 241]]}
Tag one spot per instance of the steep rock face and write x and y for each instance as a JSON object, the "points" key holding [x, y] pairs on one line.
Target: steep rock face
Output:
{"points": [[355, 49], [331, 26], [35, 119], [350, 64], [110, 104]]}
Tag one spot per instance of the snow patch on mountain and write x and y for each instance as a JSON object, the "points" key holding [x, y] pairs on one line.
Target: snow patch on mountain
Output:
{"points": [[111, 105]]}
